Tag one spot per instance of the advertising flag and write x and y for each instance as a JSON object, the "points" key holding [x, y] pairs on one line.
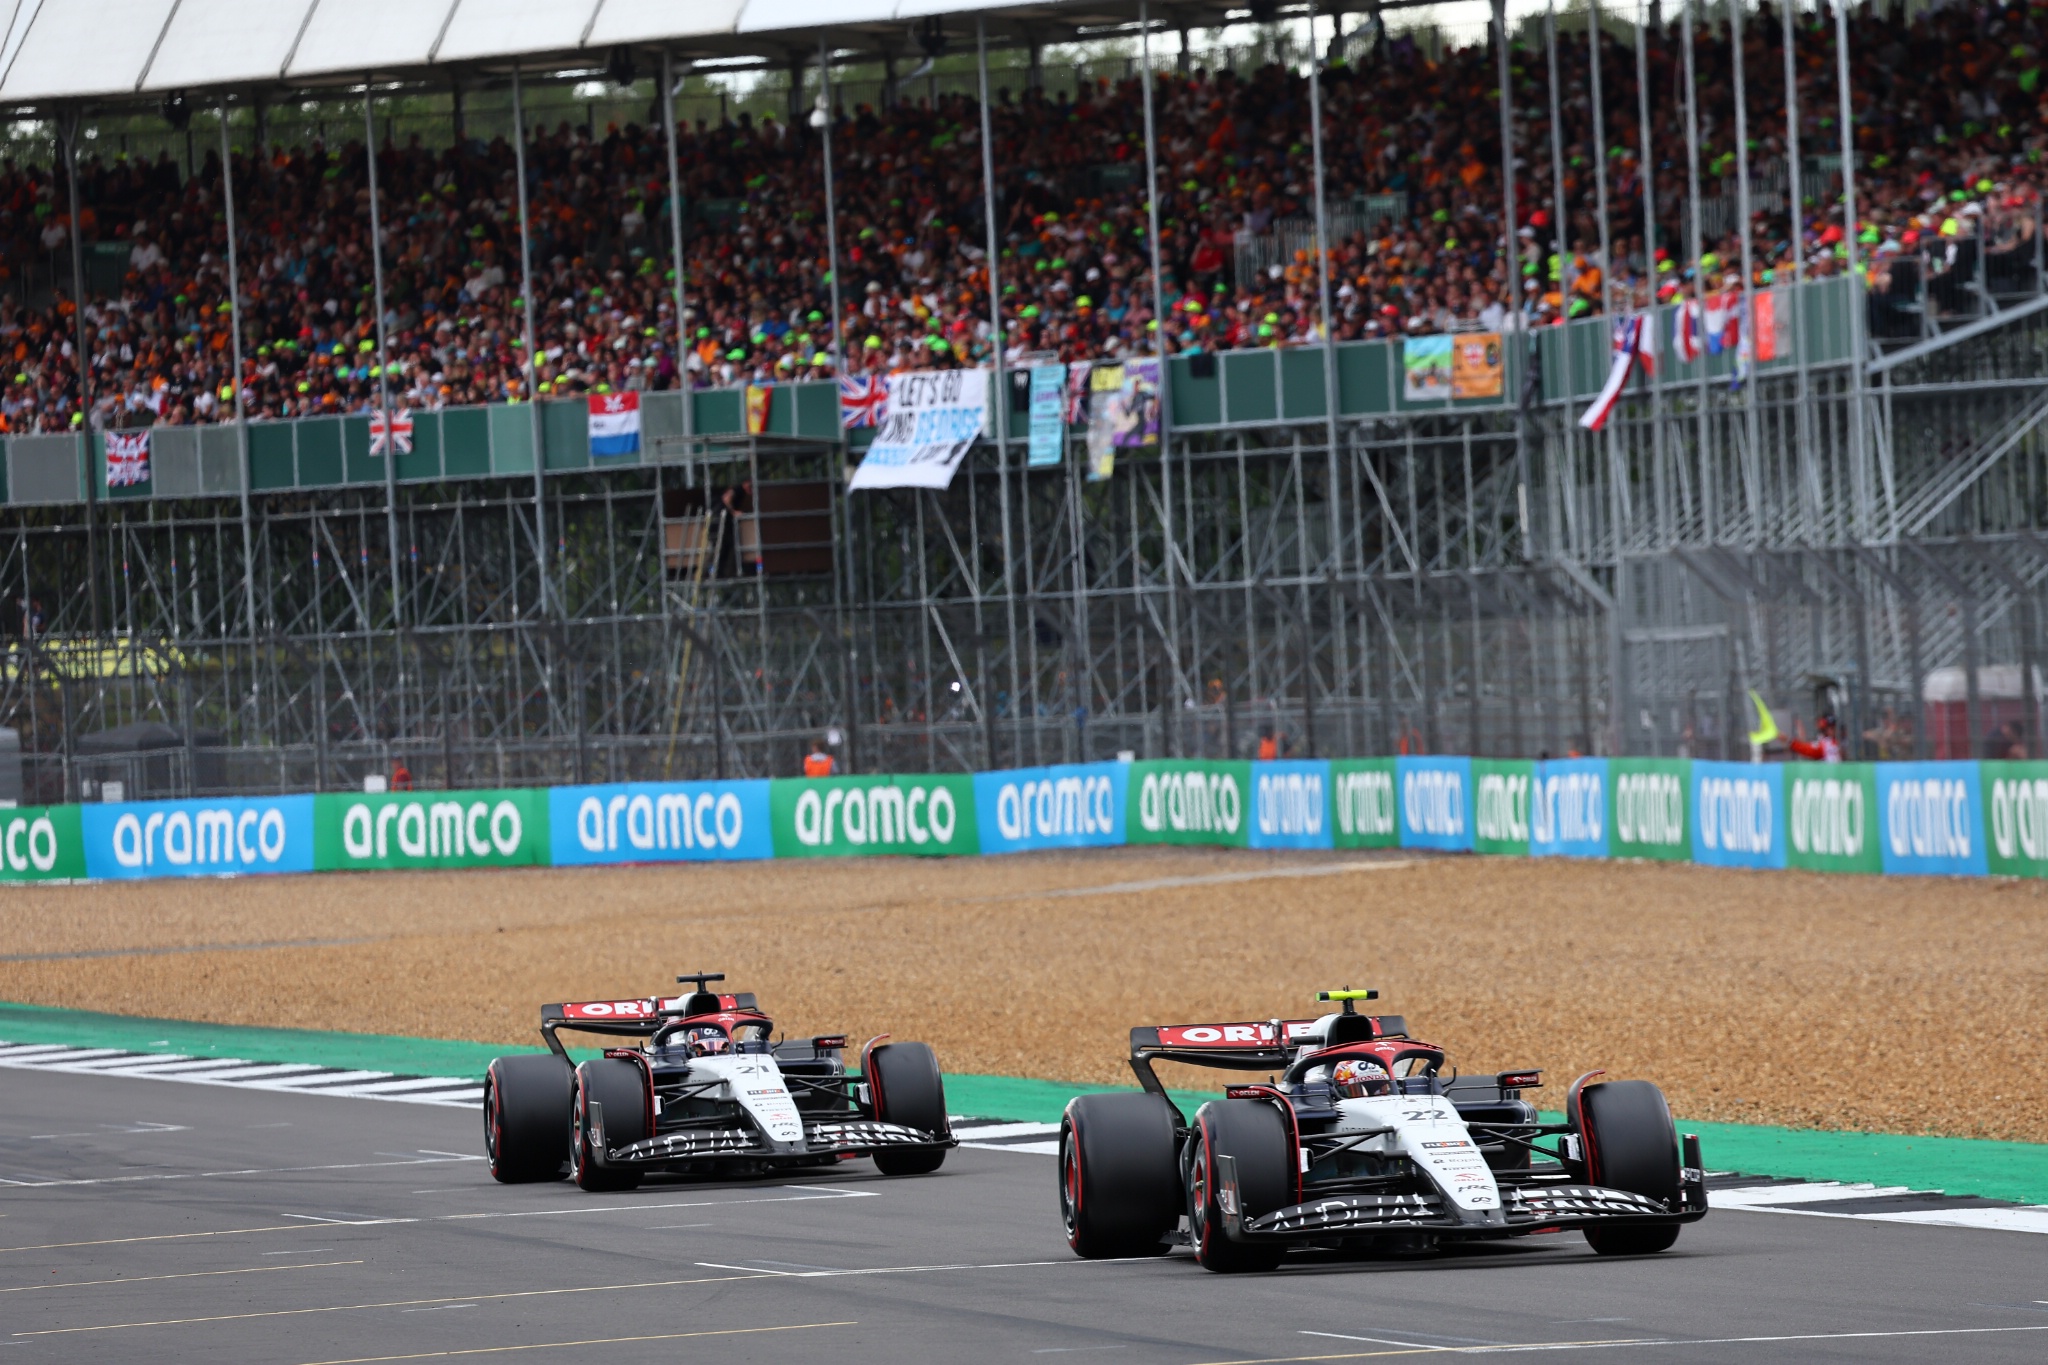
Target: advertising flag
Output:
{"points": [[614, 424]]}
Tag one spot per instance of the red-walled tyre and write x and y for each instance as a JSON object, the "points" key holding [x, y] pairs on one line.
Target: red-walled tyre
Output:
{"points": [[1629, 1143], [526, 1117], [1120, 1189], [1254, 1135], [619, 1088], [903, 1079]]}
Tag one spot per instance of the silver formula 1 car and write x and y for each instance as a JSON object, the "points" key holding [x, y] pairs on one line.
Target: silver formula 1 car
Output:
{"points": [[1361, 1142], [708, 1091]]}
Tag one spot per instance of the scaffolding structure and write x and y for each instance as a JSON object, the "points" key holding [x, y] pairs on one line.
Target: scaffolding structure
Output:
{"points": [[1495, 583]]}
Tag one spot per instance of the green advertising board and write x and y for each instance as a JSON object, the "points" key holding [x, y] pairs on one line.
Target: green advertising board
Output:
{"points": [[1500, 800], [1650, 818], [430, 829], [41, 844], [1189, 801], [2015, 818], [925, 813], [1362, 804], [1831, 817]]}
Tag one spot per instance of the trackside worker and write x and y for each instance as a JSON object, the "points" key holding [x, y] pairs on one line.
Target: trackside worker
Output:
{"points": [[1828, 748], [818, 763], [401, 777], [1269, 744]]}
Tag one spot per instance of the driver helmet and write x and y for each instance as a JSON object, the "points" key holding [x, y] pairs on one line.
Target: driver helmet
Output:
{"points": [[1355, 1078], [708, 1040]]}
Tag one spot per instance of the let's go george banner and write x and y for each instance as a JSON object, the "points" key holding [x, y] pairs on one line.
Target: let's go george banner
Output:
{"points": [[1951, 818]]}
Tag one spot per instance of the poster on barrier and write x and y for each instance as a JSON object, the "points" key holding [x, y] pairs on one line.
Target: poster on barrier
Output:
{"points": [[1071, 805], [1189, 801], [132, 840], [1648, 800], [1932, 818], [1291, 804], [1436, 802], [1831, 817], [1500, 804], [659, 822], [920, 813], [2015, 818], [1738, 814], [1568, 808], [41, 844], [1365, 814], [430, 829]]}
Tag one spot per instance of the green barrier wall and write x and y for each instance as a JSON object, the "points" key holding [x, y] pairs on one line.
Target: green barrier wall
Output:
{"points": [[1189, 801], [431, 829], [1500, 798], [1831, 818], [1649, 817], [1363, 808], [926, 813], [41, 844], [2016, 818]]}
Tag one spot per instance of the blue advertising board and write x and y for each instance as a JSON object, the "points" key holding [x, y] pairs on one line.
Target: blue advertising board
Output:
{"points": [[1930, 818], [1436, 802], [659, 822], [1568, 808], [1291, 804], [130, 840], [1071, 805], [1738, 814]]}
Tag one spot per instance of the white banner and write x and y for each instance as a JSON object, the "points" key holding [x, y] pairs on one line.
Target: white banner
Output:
{"points": [[934, 416]]}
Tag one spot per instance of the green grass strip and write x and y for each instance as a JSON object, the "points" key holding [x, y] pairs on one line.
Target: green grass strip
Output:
{"points": [[1993, 1170]]}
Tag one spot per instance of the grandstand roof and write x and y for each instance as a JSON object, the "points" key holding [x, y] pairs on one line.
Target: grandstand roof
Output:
{"points": [[56, 51]]}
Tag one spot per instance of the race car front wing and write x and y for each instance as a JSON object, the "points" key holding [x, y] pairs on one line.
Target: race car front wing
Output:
{"points": [[853, 1137], [1524, 1208]]}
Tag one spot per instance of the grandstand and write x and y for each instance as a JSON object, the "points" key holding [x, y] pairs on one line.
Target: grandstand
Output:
{"points": [[1838, 509]]}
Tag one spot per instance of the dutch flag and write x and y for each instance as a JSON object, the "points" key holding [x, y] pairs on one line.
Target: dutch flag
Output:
{"points": [[615, 423]]}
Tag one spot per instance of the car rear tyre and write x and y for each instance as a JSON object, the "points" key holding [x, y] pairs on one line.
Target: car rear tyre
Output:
{"points": [[619, 1089], [527, 1101], [1120, 1191], [1254, 1135], [1629, 1143], [904, 1086]]}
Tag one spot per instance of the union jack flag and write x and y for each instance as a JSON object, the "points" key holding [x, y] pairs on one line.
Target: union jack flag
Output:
{"points": [[863, 400], [399, 432]]}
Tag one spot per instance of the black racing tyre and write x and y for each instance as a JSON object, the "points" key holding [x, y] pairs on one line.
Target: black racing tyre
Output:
{"points": [[526, 1117], [1120, 1191], [1253, 1133], [904, 1088], [619, 1088], [1629, 1143]]}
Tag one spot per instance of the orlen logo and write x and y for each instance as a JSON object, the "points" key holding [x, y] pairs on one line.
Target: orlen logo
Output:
{"points": [[876, 815], [670, 820], [1570, 808], [1928, 818], [38, 850], [1826, 817], [1190, 802], [1649, 808], [610, 1009], [221, 837], [1365, 802], [1433, 802], [2019, 818], [1502, 813], [432, 829], [1736, 814], [1290, 803], [1229, 1035], [1060, 806]]}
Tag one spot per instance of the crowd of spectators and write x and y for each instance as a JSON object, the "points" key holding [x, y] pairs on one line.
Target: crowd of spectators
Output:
{"points": [[1951, 131]]}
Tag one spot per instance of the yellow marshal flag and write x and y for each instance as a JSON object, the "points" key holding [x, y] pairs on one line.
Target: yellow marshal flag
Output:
{"points": [[1476, 365]]}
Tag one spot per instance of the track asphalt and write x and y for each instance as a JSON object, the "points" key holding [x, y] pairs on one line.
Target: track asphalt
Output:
{"points": [[172, 1222]]}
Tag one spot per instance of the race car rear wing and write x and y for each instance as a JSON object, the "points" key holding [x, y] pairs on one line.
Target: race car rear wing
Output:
{"points": [[1251, 1046], [635, 1018]]}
